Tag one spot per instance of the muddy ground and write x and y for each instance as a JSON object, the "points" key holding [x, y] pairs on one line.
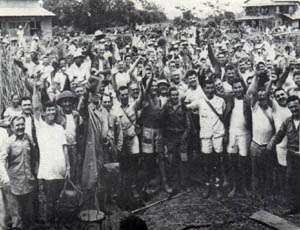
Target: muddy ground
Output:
{"points": [[191, 209]]}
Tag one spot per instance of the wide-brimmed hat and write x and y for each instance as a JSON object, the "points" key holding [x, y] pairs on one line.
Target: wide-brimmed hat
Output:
{"points": [[66, 95], [99, 34]]}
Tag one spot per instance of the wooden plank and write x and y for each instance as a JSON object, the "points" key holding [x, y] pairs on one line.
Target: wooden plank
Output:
{"points": [[273, 221]]}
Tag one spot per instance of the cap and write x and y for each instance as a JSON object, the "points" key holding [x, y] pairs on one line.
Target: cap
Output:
{"points": [[163, 81]]}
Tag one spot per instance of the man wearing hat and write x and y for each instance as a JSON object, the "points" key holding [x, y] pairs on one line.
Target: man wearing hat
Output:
{"points": [[78, 71], [71, 120], [163, 89]]}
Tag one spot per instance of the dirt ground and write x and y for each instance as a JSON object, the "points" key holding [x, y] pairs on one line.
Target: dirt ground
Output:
{"points": [[191, 209]]}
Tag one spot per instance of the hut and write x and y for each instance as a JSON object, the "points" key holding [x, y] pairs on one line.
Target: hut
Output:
{"points": [[27, 15]]}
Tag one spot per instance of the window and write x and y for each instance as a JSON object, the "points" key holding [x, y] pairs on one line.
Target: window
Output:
{"points": [[35, 27]]}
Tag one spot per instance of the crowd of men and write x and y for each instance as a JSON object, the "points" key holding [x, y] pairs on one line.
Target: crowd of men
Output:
{"points": [[170, 108]]}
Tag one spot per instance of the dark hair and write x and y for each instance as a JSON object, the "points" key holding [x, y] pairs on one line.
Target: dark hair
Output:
{"points": [[123, 87], [50, 104], [229, 67], [190, 73], [26, 99], [278, 89], [237, 80], [208, 81], [172, 88], [292, 98], [133, 223], [17, 118]]}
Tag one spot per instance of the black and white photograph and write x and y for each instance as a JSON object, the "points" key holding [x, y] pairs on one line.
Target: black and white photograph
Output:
{"points": [[149, 114]]}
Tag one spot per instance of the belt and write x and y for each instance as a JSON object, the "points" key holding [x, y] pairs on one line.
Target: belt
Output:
{"points": [[262, 146]]}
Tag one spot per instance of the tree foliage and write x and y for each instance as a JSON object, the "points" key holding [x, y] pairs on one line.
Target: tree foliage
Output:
{"points": [[90, 15]]}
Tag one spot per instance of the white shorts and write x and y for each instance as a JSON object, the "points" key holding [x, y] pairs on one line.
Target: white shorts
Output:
{"points": [[208, 145], [281, 153], [239, 144]]}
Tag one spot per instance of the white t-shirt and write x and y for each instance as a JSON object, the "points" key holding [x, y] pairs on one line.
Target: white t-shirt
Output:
{"points": [[237, 119], [261, 125], [51, 139]]}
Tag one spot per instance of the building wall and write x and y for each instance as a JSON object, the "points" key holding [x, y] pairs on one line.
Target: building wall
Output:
{"points": [[46, 25], [9, 25]]}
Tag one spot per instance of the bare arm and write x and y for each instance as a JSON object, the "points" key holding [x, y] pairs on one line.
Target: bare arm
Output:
{"points": [[36, 101], [282, 78], [252, 90], [130, 71], [277, 138], [143, 92], [65, 149]]}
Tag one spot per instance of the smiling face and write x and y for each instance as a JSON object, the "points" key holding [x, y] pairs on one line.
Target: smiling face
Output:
{"points": [[174, 97], [281, 97], [15, 101], [67, 105], [107, 102], [209, 90], [18, 126], [192, 81], [175, 78], [294, 107], [154, 89], [26, 107], [219, 86], [134, 90], [124, 97], [296, 79], [50, 114], [238, 90]]}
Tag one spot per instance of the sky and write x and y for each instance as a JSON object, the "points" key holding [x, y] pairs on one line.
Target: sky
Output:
{"points": [[196, 6]]}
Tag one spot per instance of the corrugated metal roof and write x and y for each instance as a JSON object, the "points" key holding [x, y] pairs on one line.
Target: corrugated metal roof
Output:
{"points": [[22, 12], [245, 18], [251, 3]]}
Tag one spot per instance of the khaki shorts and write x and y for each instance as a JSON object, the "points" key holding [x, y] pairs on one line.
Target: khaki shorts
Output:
{"points": [[208, 145], [239, 144]]}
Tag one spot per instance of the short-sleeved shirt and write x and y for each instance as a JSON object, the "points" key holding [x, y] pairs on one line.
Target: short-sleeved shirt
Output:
{"points": [[210, 123], [51, 139], [19, 164]]}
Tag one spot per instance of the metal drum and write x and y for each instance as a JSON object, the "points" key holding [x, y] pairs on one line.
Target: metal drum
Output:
{"points": [[92, 220]]}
